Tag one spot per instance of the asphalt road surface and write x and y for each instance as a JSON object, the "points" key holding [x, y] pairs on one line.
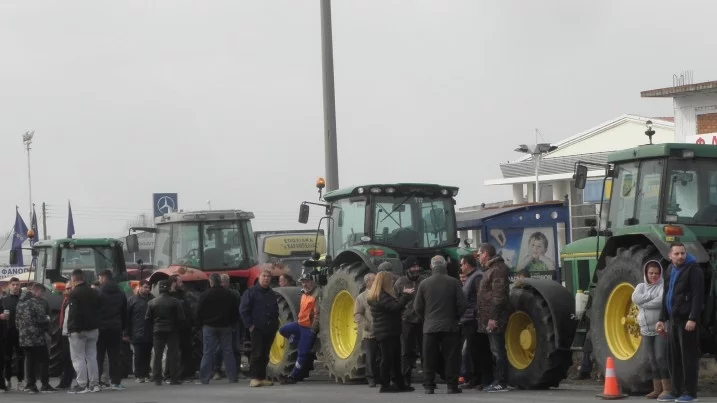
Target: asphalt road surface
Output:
{"points": [[313, 391]]}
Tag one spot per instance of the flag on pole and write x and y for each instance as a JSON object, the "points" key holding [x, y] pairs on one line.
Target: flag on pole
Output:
{"points": [[70, 221], [19, 236], [33, 227]]}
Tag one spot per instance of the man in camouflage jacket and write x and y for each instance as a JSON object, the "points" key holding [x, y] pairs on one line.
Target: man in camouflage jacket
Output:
{"points": [[32, 321]]}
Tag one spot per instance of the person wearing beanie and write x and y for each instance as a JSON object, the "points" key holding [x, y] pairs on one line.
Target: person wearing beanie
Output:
{"points": [[166, 315], [412, 325]]}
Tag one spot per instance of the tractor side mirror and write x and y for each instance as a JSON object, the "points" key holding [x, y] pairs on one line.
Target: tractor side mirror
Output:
{"points": [[580, 176], [132, 243], [13, 257], [35, 252], [304, 213]]}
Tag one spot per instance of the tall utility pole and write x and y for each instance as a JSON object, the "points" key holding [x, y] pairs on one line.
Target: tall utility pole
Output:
{"points": [[331, 161], [27, 140], [44, 221]]}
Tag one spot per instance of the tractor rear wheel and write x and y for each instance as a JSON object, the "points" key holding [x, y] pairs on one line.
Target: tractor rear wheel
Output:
{"points": [[55, 345], [282, 355], [535, 360], [614, 331], [340, 343]]}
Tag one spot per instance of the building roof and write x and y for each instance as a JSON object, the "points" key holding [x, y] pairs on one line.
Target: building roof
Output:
{"points": [[550, 166], [602, 127], [670, 92]]}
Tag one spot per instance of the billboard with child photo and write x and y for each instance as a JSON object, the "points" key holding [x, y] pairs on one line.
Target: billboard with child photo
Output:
{"points": [[528, 250]]}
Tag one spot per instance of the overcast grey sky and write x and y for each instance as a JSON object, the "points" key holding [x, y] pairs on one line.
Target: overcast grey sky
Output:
{"points": [[221, 100]]}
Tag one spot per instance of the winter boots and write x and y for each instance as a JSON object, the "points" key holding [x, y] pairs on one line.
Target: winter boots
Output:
{"points": [[656, 389]]}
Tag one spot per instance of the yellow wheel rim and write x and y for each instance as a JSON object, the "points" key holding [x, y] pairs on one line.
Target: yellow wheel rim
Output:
{"points": [[278, 347], [342, 328], [622, 331], [520, 340]]}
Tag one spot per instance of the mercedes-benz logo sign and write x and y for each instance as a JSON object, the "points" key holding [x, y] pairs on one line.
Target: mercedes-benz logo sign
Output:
{"points": [[166, 204]]}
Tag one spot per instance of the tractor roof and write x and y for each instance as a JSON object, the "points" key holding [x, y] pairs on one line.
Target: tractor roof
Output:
{"points": [[420, 189], [77, 242], [663, 150], [201, 216]]}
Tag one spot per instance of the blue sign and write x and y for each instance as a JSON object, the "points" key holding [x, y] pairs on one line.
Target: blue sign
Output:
{"points": [[164, 203]]}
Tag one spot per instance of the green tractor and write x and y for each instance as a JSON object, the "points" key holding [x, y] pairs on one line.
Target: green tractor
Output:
{"points": [[657, 195], [367, 225], [53, 263]]}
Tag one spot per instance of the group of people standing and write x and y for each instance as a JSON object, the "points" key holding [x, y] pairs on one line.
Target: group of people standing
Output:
{"points": [[436, 315]]}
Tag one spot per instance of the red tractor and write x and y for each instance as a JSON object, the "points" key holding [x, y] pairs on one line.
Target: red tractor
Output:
{"points": [[196, 244]]}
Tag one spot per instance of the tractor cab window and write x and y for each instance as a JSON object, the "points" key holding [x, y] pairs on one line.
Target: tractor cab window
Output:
{"points": [[691, 196], [648, 194], [185, 244], [624, 191], [414, 222], [92, 260], [45, 267], [163, 246], [222, 245], [349, 218]]}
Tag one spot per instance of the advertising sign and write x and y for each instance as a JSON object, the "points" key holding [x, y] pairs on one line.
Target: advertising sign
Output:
{"points": [[707, 138], [164, 203], [531, 249]]}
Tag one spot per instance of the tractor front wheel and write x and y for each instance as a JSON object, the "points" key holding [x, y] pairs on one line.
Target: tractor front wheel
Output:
{"points": [[535, 360], [339, 336], [283, 355]]}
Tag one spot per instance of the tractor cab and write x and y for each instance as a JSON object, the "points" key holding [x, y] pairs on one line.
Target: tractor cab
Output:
{"points": [[670, 190], [195, 244], [388, 222], [53, 261]]}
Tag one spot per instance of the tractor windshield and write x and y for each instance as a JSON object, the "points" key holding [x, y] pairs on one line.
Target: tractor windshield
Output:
{"points": [[92, 260], [691, 192], [211, 245], [411, 222]]}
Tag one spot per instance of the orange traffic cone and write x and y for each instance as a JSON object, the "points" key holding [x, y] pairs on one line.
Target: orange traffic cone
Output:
{"points": [[611, 390]]}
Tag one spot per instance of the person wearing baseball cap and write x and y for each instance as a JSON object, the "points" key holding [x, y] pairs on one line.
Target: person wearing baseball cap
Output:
{"points": [[304, 330]]}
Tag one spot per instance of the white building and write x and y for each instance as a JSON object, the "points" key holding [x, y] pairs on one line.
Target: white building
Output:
{"points": [[556, 168], [695, 110]]}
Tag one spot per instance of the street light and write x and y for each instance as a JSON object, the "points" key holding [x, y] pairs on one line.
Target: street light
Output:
{"points": [[536, 151]]}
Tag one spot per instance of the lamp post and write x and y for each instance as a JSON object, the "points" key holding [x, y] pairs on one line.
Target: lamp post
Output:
{"points": [[331, 159], [536, 151], [27, 140]]}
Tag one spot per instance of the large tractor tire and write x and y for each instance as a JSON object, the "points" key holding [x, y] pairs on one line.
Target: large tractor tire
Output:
{"points": [[55, 345], [340, 338], [535, 359], [614, 331], [282, 356]]}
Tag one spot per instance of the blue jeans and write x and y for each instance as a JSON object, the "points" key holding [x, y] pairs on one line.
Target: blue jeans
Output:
{"points": [[304, 337], [214, 338], [236, 345]]}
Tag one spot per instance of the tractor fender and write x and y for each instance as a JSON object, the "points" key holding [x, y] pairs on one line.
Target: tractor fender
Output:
{"points": [[372, 262], [561, 304], [187, 274], [695, 249], [292, 296]]}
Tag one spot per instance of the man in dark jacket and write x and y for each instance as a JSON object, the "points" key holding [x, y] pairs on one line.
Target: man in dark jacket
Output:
{"points": [[13, 352], [185, 329], [218, 313], [440, 303], [260, 312], [3, 328], [166, 314], [493, 310], [113, 321], [236, 334], [477, 344], [682, 303], [411, 326], [139, 331], [82, 327]]}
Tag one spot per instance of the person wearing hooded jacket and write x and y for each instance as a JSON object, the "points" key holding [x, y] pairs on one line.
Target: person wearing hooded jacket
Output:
{"points": [[139, 331], [411, 325], [113, 321], [682, 304], [648, 299]]}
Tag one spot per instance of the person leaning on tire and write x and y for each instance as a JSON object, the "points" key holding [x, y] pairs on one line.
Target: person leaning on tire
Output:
{"points": [[260, 313], [303, 331]]}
